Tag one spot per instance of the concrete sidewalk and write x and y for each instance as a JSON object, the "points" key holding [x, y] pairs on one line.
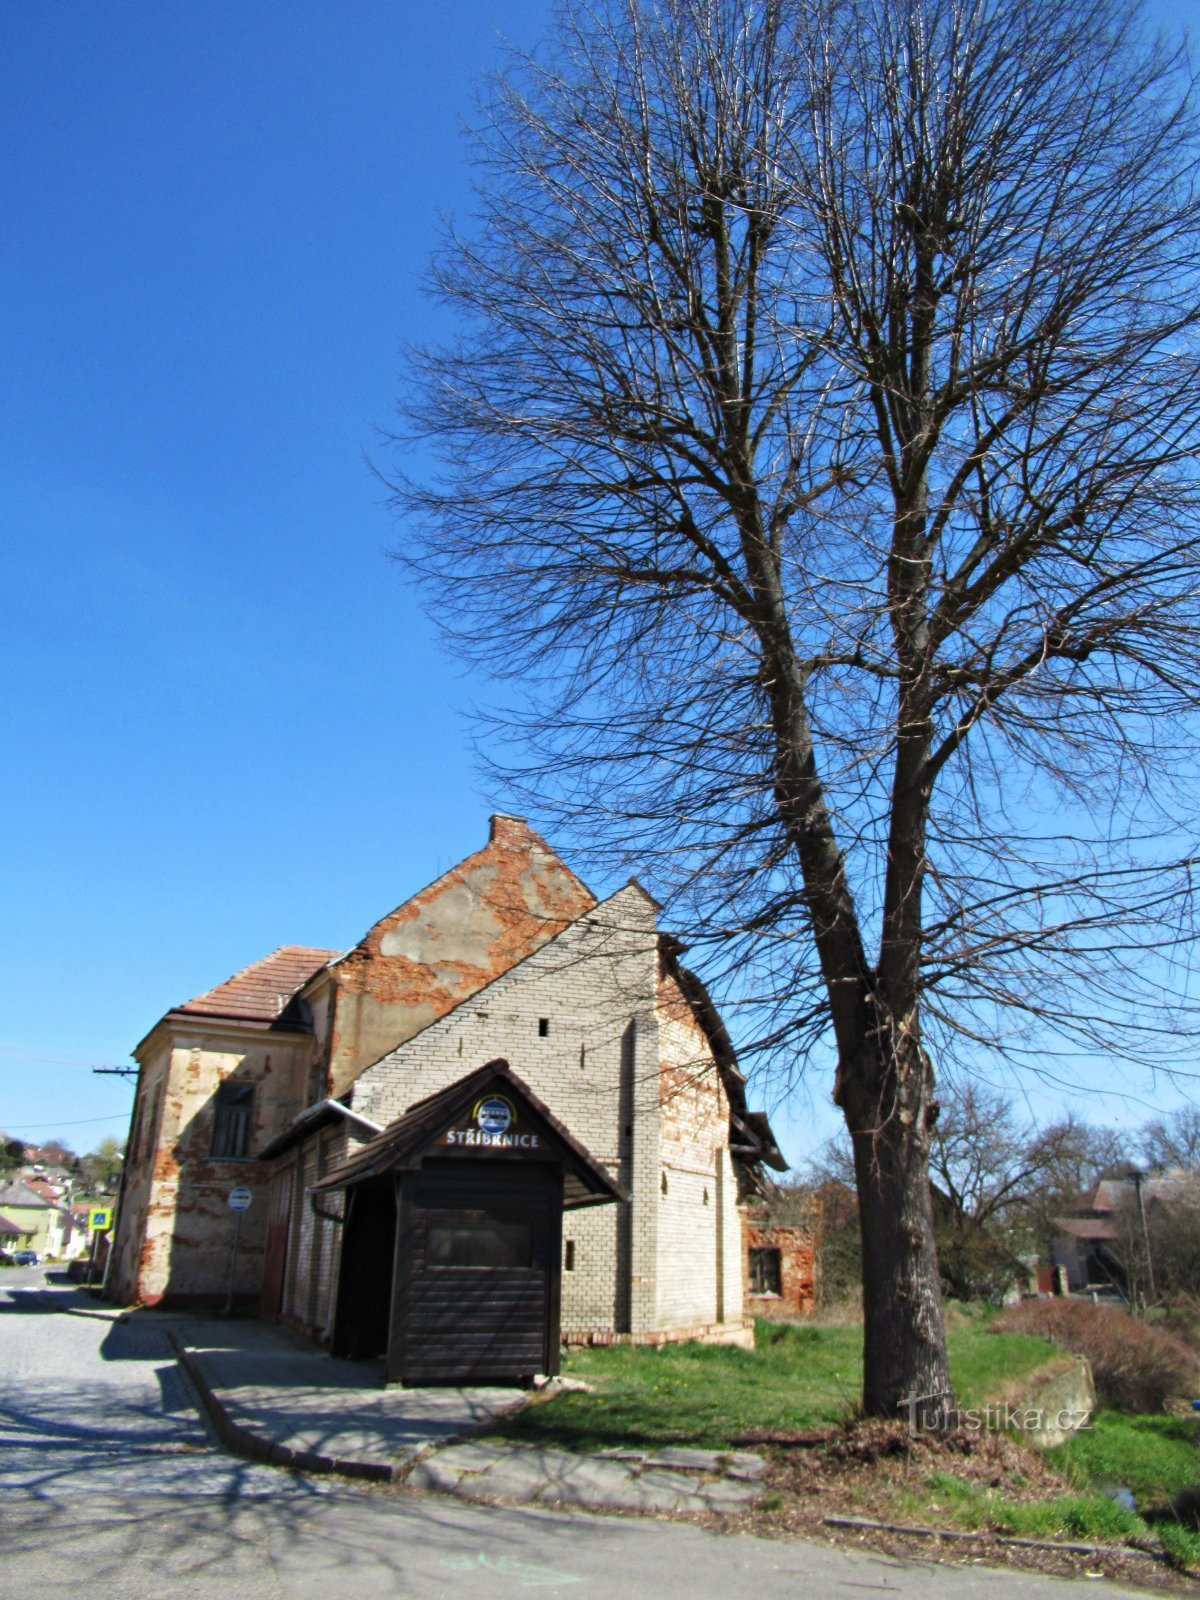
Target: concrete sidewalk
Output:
{"points": [[274, 1397]]}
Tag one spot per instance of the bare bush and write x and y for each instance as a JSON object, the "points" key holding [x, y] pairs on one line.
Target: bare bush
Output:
{"points": [[1137, 1367]]}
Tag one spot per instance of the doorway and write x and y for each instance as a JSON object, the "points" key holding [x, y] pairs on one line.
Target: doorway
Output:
{"points": [[364, 1301]]}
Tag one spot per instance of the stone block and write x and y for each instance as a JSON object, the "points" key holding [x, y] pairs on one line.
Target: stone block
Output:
{"points": [[689, 1460]]}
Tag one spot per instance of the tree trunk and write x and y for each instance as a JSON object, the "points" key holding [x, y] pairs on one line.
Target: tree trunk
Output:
{"points": [[905, 1371]]}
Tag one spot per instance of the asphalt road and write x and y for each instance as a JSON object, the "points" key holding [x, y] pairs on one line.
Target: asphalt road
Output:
{"points": [[111, 1489]]}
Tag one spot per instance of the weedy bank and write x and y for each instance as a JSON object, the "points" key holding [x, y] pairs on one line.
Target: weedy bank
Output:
{"points": [[1123, 1480]]}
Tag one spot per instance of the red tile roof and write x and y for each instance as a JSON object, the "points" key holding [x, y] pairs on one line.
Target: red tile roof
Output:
{"points": [[1101, 1228], [261, 990], [48, 1191]]}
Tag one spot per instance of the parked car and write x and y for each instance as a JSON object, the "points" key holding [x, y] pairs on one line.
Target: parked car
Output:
{"points": [[25, 1258]]}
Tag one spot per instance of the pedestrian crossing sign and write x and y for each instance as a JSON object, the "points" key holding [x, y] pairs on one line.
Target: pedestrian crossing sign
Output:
{"points": [[100, 1219]]}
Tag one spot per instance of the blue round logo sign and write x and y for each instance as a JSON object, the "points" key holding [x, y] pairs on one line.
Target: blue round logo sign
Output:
{"points": [[494, 1115]]}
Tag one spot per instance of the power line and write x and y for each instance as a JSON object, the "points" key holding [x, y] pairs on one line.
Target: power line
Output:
{"points": [[22, 1127]]}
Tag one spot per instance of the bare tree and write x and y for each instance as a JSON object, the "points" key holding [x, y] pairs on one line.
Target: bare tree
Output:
{"points": [[998, 1185], [818, 458], [981, 1158], [1172, 1141]]}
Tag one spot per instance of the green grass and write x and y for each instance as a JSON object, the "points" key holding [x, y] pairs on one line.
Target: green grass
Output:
{"points": [[699, 1394], [985, 1365], [797, 1377], [943, 1498], [1154, 1457], [807, 1377]]}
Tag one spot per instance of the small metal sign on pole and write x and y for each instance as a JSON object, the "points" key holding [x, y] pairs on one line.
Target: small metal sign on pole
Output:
{"points": [[99, 1221], [239, 1201]]}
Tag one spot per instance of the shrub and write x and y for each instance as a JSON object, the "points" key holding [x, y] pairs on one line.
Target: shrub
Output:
{"points": [[1137, 1367], [1182, 1549]]}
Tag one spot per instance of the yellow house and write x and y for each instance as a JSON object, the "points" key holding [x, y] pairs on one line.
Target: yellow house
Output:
{"points": [[28, 1215]]}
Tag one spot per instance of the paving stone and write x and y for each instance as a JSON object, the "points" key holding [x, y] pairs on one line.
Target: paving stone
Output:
{"points": [[728, 1496], [687, 1459], [434, 1474], [600, 1477], [622, 1455], [511, 1479], [472, 1457], [692, 1502], [551, 1463], [745, 1466], [651, 1499], [629, 1494], [674, 1482]]}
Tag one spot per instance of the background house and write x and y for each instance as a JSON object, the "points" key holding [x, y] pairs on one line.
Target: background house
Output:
{"points": [[1110, 1237], [29, 1214]]}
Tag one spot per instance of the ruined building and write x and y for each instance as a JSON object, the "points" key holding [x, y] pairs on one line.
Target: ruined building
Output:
{"points": [[507, 1116]]}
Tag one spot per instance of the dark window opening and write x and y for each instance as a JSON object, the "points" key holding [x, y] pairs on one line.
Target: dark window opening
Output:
{"points": [[232, 1122], [569, 1256], [461, 1240], [765, 1274], [543, 1027]]}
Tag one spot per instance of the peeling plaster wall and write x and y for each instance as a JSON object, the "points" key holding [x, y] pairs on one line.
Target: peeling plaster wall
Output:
{"points": [[464, 972], [419, 962], [177, 1232], [137, 1177]]}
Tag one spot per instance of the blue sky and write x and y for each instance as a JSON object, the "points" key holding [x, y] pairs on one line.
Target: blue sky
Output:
{"points": [[226, 724]]}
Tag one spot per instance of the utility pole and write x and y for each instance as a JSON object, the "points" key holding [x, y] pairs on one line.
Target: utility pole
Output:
{"points": [[116, 1072], [1137, 1184]]}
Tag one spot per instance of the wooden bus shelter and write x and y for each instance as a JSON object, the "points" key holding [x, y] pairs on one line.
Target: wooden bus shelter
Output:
{"points": [[452, 1242]]}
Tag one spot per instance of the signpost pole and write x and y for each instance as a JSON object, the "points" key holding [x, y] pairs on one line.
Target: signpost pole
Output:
{"points": [[237, 1236], [239, 1201]]}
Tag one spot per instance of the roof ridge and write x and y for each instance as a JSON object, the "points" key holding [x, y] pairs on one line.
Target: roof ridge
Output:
{"points": [[281, 971], [445, 878], [242, 972], [498, 977]]}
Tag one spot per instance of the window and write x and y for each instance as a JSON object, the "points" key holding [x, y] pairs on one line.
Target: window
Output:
{"points": [[543, 1027], [458, 1239], [765, 1276], [233, 1121], [568, 1255]]}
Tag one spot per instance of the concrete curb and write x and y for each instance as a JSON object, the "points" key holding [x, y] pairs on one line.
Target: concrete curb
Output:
{"points": [[244, 1442]]}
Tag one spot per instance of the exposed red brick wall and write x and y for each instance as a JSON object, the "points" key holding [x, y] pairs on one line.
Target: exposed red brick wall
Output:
{"points": [[797, 1266], [420, 961]]}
